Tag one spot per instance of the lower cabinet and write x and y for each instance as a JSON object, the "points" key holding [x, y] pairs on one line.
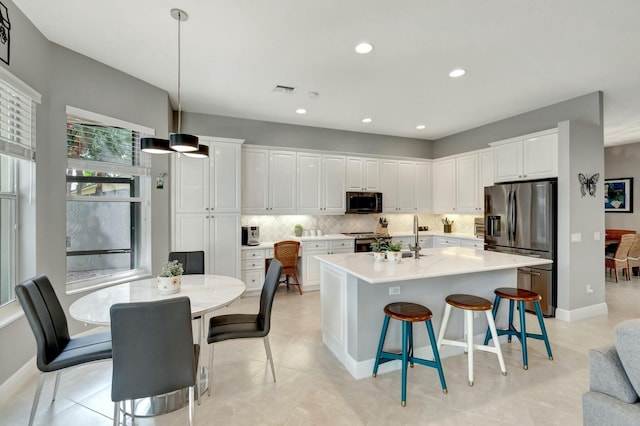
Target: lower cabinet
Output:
{"points": [[253, 264], [217, 235], [476, 244], [311, 266], [439, 241]]}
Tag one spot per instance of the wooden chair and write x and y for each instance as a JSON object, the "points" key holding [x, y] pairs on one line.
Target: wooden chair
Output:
{"points": [[633, 257], [612, 236], [619, 259], [287, 253]]}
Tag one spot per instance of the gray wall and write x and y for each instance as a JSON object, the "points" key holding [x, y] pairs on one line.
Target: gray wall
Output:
{"points": [[292, 136], [580, 108], [67, 78], [619, 162]]}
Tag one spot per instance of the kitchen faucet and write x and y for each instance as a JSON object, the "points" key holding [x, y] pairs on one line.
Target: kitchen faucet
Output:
{"points": [[416, 247]]}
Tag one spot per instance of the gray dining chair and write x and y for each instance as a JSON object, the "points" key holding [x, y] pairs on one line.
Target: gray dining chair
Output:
{"points": [[55, 349], [244, 326], [192, 261], [153, 352]]}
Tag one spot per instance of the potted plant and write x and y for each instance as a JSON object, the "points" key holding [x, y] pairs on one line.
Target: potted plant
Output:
{"points": [[378, 248], [169, 279], [298, 230], [393, 252]]}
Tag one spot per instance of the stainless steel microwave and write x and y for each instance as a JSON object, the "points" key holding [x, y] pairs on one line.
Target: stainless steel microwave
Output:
{"points": [[364, 202]]}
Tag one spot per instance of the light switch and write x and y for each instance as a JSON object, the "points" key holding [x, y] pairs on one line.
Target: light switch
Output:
{"points": [[576, 238], [596, 236]]}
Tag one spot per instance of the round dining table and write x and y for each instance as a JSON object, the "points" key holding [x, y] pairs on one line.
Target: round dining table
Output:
{"points": [[207, 293]]}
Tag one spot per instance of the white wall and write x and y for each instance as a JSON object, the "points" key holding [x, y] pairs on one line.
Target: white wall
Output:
{"points": [[620, 162]]}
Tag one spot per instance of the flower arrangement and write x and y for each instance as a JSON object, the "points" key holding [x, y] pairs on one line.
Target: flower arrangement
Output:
{"points": [[172, 269]]}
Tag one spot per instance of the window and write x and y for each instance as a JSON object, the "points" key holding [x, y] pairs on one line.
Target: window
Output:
{"points": [[17, 151], [108, 187]]}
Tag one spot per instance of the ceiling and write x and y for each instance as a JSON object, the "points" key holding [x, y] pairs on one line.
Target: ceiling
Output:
{"points": [[519, 56]]}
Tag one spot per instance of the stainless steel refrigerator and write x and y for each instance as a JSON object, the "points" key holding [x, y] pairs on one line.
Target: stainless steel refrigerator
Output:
{"points": [[520, 218]]}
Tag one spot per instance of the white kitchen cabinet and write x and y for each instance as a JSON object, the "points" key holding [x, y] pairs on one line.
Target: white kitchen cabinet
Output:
{"points": [[444, 185], [311, 266], [397, 184], [528, 157], [467, 187], [253, 268], [406, 241], [321, 183], [440, 241], [209, 184], [217, 234], [268, 181], [423, 186], [206, 205], [362, 174], [477, 244]]}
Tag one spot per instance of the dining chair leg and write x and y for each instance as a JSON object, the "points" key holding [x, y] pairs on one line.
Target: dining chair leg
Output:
{"points": [[36, 398], [267, 349], [191, 407], [116, 413], [55, 387], [210, 384]]}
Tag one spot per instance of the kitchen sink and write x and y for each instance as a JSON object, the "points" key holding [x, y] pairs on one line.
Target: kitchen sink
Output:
{"points": [[410, 254]]}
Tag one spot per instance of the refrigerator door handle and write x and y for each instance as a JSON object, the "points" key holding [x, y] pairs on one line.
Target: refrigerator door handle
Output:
{"points": [[509, 206], [514, 213]]}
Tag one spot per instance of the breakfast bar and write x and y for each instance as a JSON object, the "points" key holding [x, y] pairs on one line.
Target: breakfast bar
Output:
{"points": [[354, 289]]}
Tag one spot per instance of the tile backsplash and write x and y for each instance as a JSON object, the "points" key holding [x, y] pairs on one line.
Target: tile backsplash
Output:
{"points": [[276, 228]]}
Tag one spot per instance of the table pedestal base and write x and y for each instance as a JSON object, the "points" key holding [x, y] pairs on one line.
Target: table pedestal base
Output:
{"points": [[162, 404]]}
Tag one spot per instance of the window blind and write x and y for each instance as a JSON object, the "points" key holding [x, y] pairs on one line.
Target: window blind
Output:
{"points": [[17, 122], [97, 146]]}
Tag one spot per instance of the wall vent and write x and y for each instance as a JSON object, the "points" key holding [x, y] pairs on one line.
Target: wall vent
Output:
{"points": [[284, 89]]}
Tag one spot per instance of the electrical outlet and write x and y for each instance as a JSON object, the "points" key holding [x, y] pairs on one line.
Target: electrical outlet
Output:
{"points": [[394, 291], [589, 289]]}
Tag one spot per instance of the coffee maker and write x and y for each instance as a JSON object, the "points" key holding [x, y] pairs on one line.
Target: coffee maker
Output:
{"points": [[250, 235]]}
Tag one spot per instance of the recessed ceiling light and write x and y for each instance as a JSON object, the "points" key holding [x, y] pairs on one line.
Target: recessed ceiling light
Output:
{"points": [[301, 111], [421, 126], [367, 120], [364, 48], [458, 72]]}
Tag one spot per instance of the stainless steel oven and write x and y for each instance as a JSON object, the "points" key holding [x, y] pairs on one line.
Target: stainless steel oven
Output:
{"points": [[362, 240]]}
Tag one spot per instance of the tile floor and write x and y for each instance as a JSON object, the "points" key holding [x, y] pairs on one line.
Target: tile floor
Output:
{"points": [[314, 389]]}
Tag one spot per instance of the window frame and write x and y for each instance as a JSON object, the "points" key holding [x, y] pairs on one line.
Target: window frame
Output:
{"points": [[143, 200]]}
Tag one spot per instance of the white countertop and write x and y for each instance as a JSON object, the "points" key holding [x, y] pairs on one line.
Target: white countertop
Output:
{"points": [[438, 262]]}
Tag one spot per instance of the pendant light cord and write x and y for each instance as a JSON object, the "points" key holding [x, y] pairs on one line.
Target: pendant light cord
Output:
{"points": [[179, 106]]}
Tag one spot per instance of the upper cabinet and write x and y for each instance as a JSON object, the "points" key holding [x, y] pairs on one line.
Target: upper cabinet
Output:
{"points": [[528, 157], [321, 183], [423, 186], [459, 181], [269, 181], [398, 186], [362, 174], [444, 185], [212, 184]]}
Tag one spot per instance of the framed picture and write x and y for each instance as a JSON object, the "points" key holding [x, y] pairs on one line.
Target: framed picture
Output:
{"points": [[618, 195]]}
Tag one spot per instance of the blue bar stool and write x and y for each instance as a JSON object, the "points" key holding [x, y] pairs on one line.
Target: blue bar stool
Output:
{"points": [[408, 313], [521, 296]]}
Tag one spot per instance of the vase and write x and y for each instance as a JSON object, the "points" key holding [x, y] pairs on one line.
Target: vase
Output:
{"points": [[169, 285], [378, 256], [298, 232], [447, 229], [394, 256]]}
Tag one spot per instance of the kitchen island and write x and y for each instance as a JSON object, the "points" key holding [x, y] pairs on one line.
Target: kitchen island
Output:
{"points": [[354, 290]]}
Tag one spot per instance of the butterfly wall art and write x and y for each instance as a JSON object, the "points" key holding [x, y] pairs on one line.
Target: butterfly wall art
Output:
{"points": [[588, 184]]}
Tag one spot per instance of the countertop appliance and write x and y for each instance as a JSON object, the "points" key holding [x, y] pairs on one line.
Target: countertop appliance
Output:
{"points": [[521, 218], [250, 235], [362, 240], [364, 202]]}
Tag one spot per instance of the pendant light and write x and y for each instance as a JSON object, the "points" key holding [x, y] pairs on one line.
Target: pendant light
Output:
{"points": [[181, 142], [178, 142]]}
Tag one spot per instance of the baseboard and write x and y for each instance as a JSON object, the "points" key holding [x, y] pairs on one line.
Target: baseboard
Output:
{"points": [[582, 313], [18, 379]]}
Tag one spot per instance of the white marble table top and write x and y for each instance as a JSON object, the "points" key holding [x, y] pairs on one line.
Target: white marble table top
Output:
{"points": [[437, 262], [206, 292]]}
